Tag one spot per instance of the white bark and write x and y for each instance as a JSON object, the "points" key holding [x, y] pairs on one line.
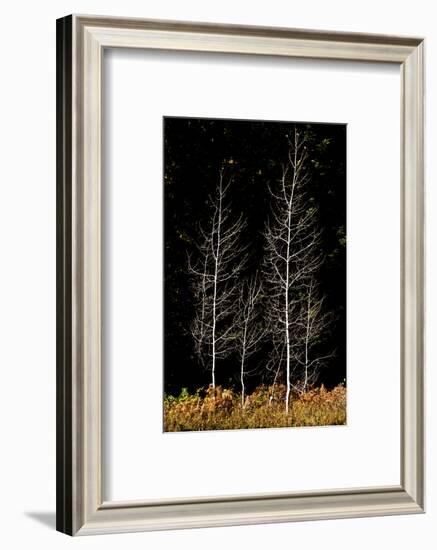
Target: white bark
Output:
{"points": [[311, 325], [251, 331], [214, 276], [292, 240]]}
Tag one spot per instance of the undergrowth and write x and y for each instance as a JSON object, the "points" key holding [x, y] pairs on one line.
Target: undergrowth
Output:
{"points": [[221, 409]]}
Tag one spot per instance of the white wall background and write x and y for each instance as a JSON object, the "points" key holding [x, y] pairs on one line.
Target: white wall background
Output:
{"points": [[27, 272]]}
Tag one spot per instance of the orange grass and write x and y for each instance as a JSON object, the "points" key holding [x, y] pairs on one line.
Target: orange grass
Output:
{"points": [[221, 409]]}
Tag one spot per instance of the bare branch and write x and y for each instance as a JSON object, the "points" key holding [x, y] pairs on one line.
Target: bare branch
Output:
{"points": [[214, 279], [292, 244]]}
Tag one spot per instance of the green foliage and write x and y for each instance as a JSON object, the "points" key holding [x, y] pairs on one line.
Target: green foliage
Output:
{"points": [[220, 409]]}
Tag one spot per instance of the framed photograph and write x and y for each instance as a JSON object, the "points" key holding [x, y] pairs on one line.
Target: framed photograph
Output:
{"points": [[255, 247], [240, 263]]}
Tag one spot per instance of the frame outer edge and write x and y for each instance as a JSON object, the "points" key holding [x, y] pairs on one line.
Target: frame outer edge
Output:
{"points": [[413, 413], [64, 418], [229, 29], [79, 508]]}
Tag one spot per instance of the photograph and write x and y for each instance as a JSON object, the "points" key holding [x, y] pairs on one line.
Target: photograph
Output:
{"points": [[254, 297]]}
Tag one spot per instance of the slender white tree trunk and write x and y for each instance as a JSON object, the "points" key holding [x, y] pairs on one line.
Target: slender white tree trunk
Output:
{"points": [[292, 243], [203, 294], [243, 355], [307, 335], [216, 266], [287, 343], [214, 280], [242, 381], [250, 332], [287, 290]]}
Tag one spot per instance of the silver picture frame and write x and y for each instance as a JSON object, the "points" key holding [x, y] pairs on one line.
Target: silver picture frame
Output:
{"points": [[81, 41]]}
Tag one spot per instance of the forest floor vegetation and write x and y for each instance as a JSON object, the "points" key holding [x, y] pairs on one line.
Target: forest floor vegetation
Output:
{"points": [[222, 409]]}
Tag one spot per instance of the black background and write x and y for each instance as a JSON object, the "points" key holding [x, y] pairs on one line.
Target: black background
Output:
{"points": [[253, 152]]}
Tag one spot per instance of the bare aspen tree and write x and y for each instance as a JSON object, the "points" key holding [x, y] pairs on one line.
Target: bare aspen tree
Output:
{"points": [[311, 325], [291, 241], [220, 259], [250, 331]]}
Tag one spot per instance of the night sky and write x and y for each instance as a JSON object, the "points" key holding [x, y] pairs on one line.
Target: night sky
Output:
{"points": [[253, 153]]}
